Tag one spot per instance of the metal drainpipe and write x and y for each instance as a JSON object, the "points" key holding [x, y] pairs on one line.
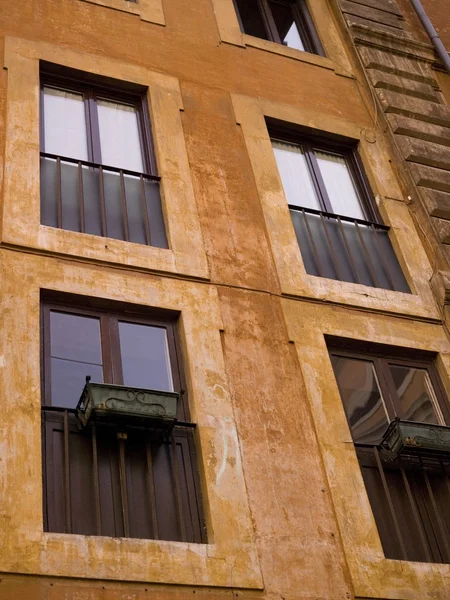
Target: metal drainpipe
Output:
{"points": [[432, 33]]}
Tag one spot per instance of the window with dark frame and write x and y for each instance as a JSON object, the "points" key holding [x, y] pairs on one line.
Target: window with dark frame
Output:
{"points": [[409, 496], [285, 22], [336, 221], [115, 479], [98, 168]]}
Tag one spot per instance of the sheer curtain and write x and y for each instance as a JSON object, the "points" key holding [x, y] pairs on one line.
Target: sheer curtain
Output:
{"points": [[295, 176], [339, 185], [64, 124], [119, 136]]}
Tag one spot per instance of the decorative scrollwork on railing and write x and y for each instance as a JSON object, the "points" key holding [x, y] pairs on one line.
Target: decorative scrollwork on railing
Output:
{"points": [[133, 397]]}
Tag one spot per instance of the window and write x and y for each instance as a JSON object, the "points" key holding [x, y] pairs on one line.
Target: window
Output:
{"points": [[334, 216], [113, 479], [410, 496], [98, 169], [286, 22]]}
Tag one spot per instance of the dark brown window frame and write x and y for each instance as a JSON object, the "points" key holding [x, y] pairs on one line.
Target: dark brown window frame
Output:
{"points": [[384, 378], [188, 498], [99, 88], [302, 18], [408, 496], [346, 149]]}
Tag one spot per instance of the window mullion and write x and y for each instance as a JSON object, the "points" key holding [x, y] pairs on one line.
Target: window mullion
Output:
{"points": [[114, 350], [387, 386], [269, 21], [317, 178], [94, 129]]}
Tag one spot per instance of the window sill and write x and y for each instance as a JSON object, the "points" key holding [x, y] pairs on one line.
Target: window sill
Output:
{"points": [[148, 10], [300, 55]]}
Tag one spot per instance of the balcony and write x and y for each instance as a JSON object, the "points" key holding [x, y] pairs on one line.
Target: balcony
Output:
{"points": [[347, 249], [410, 499], [87, 197]]}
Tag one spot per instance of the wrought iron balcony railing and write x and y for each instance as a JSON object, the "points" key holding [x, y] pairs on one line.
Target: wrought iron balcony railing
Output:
{"points": [[347, 249], [101, 200], [410, 499]]}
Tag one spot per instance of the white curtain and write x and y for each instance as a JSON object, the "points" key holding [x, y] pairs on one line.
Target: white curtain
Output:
{"points": [[119, 136], [295, 175], [339, 184], [64, 124]]}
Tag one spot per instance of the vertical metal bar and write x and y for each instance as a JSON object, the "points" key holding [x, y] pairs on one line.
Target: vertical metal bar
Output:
{"points": [[145, 212], [102, 202], [81, 196], [330, 245], [369, 260], [59, 192], [349, 252], [176, 481], [383, 256], [151, 490], [123, 484], [390, 503], [124, 206], [67, 499], [417, 519], [98, 519], [447, 479], [316, 254], [442, 529]]}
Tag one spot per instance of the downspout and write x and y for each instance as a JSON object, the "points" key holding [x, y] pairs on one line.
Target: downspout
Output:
{"points": [[432, 33]]}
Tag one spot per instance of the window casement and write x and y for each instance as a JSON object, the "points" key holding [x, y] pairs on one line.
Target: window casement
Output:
{"points": [[113, 478], [336, 221], [98, 168], [285, 22], [409, 495]]}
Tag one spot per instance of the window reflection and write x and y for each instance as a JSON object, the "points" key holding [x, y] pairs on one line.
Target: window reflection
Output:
{"points": [[145, 357], [75, 352], [362, 399], [416, 398]]}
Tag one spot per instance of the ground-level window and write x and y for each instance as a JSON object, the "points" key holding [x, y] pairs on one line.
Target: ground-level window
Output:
{"points": [[113, 478], [409, 494]]}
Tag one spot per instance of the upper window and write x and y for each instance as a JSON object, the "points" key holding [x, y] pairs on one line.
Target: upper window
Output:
{"points": [[335, 218], [286, 22], [409, 495], [114, 477], [98, 170]]}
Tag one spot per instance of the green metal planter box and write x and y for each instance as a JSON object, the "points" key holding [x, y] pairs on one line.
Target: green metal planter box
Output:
{"points": [[409, 437], [126, 405]]}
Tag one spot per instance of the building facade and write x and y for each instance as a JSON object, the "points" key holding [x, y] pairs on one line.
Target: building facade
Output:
{"points": [[230, 218]]}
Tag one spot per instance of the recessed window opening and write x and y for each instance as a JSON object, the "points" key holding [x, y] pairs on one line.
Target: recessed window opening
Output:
{"points": [[98, 168], [114, 464], [336, 220], [285, 22], [384, 394]]}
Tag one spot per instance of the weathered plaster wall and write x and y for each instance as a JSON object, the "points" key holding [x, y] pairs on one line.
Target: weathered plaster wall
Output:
{"points": [[276, 519]]}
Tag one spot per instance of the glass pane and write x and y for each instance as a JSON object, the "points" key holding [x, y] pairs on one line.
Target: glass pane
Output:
{"points": [[417, 401], [286, 26], [250, 18], [339, 184], [64, 124], [68, 379], [361, 396], [145, 357], [75, 351], [295, 176], [75, 337], [119, 136]]}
